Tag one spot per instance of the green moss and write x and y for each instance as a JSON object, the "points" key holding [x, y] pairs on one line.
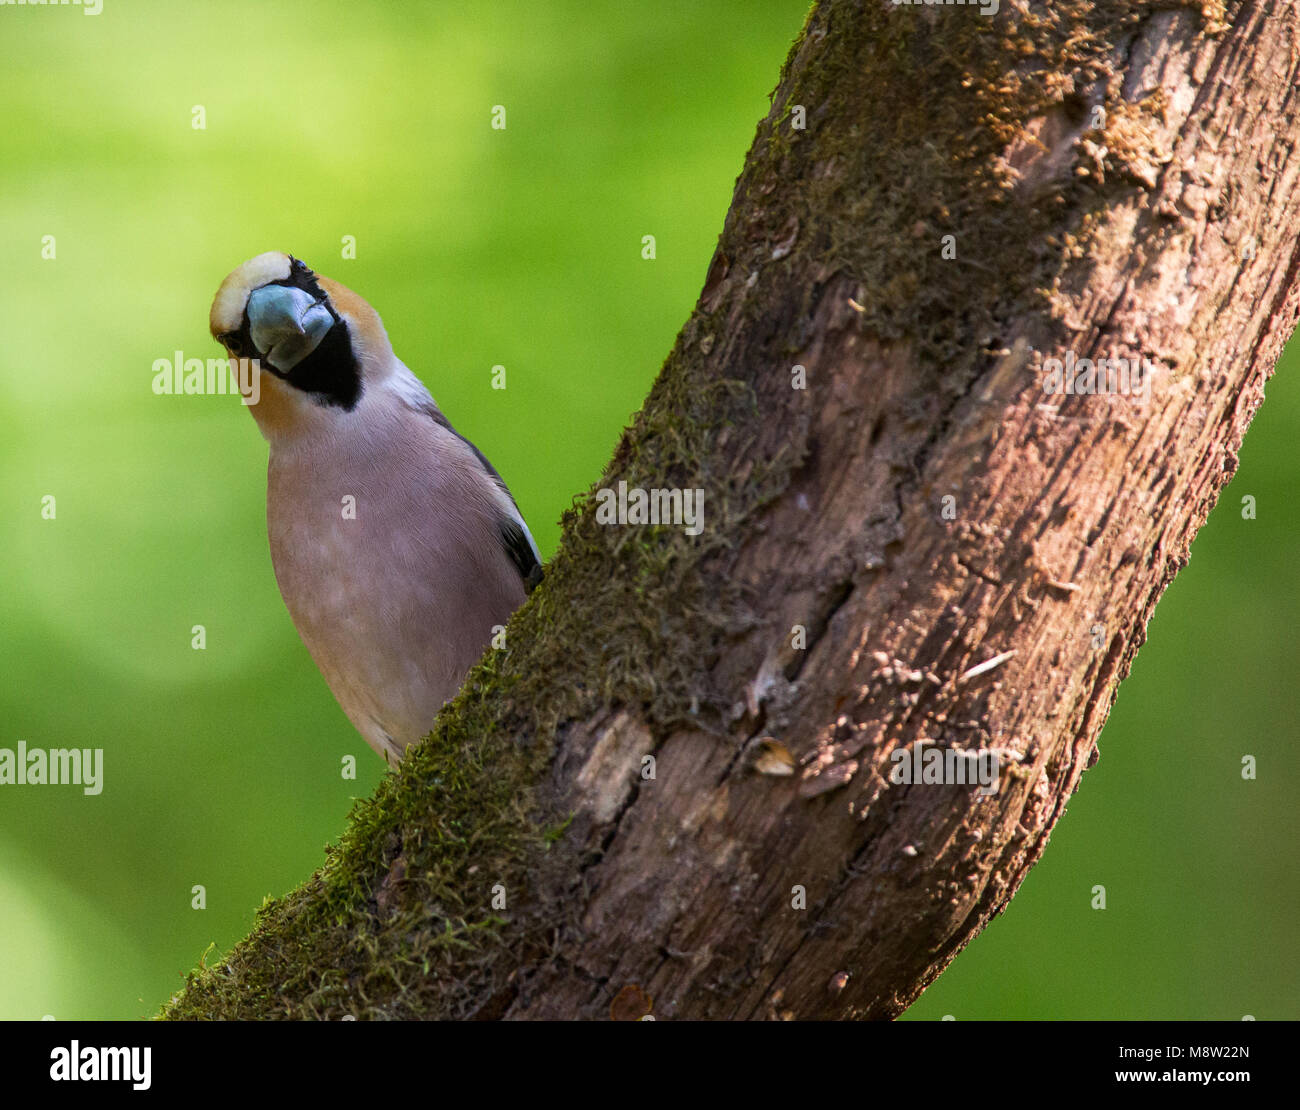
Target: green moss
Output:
{"points": [[554, 834], [942, 96]]}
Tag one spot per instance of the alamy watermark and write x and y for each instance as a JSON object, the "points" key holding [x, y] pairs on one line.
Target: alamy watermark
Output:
{"points": [[181, 375], [25, 766], [656, 506], [986, 7], [88, 7], [1086, 377], [931, 765]]}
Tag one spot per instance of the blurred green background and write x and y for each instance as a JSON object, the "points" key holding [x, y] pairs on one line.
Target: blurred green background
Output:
{"points": [[479, 247]]}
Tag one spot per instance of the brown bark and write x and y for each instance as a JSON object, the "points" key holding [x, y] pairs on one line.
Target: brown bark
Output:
{"points": [[1156, 227]]}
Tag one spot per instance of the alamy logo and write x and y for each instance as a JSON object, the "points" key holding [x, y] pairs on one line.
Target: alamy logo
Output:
{"points": [[92, 1064], [657, 506]]}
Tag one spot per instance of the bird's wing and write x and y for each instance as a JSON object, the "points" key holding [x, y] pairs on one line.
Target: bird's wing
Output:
{"points": [[516, 539]]}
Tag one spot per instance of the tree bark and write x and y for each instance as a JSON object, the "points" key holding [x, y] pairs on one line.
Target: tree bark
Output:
{"points": [[920, 549]]}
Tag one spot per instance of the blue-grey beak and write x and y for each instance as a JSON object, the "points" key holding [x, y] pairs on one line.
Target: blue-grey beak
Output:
{"points": [[286, 324]]}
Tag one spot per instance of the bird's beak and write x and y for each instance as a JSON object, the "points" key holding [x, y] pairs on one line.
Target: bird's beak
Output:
{"points": [[286, 324]]}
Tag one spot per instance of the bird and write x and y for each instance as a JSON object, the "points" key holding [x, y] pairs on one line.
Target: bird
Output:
{"points": [[398, 549]]}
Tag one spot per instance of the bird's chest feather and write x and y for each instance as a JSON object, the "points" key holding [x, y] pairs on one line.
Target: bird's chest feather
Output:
{"points": [[345, 542], [371, 548]]}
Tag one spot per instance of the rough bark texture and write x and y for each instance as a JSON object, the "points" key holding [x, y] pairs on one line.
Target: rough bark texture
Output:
{"points": [[1120, 180]]}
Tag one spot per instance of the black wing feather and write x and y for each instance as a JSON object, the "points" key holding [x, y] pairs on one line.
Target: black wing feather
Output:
{"points": [[521, 553]]}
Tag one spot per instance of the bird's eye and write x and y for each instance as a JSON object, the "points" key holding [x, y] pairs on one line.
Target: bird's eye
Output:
{"points": [[232, 343]]}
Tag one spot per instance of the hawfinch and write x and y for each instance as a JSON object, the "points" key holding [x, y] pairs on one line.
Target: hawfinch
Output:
{"points": [[397, 547]]}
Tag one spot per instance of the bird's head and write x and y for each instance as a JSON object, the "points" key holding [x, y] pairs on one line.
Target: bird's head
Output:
{"points": [[319, 344]]}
